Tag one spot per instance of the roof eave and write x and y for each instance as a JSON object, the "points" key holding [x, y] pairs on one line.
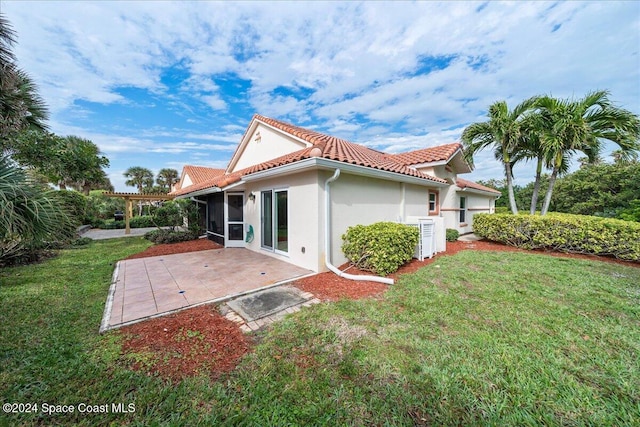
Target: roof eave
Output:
{"points": [[478, 191], [328, 164], [197, 193]]}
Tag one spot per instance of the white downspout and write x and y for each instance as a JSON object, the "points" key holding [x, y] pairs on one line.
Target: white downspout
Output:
{"points": [[327, 239]]}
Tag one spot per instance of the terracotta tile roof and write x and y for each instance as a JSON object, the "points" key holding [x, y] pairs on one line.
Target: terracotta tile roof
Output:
{"points": [[426, 155], [324, 146], [200, 174], [463, 183], [344, 151]]}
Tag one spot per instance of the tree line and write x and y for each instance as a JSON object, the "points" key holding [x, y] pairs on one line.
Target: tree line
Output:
{"points": [[601, 189], [551, 132]]}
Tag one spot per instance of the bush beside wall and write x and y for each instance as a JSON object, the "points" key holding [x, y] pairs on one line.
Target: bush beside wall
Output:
{"points": [[452, 234], [382, 247], [563, 232]]}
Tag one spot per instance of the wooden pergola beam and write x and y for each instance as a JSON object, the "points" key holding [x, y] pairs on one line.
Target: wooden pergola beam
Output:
{"points": [[128, 201]]}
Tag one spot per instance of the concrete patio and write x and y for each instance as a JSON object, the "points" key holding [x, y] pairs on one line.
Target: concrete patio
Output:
{"points": [[149, 287]]}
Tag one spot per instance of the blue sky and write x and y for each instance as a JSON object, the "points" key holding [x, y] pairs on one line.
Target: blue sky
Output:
{"points": [[164, 84]]}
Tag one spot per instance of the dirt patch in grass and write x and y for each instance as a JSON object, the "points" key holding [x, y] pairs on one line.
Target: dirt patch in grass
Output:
{"points": [[177, 248], [187, 343]]}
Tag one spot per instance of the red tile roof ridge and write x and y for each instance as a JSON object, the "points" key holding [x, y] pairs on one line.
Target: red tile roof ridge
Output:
{"points": [[427, 155]]}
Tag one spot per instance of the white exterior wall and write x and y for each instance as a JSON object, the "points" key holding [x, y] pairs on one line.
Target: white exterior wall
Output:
{"points": [[476, 203], [359, 200], [304, 216], [268, 146]]}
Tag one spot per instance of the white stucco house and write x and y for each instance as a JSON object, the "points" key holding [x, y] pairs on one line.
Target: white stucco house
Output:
{"points": [[291, 192]]}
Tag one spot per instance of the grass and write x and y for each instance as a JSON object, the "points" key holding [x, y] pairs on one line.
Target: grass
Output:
{"points": [[476, 338]]}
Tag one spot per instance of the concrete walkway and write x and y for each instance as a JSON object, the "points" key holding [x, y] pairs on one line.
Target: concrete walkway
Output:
{"points": [[469, 237], [149, 287]]}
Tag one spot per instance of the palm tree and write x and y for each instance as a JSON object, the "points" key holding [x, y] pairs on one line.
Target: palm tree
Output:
{"points": [[503, 132], [31, 213], [139, 177], [582, 126], [21, 107], [166, 178]]}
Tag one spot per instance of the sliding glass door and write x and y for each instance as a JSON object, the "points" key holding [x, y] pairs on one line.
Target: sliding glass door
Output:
{"points": [[275, 220], [267, 219]]}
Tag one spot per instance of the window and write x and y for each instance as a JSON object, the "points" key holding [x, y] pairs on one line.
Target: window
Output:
{"points": [[275, 220], [433, 203], [463, 210]]}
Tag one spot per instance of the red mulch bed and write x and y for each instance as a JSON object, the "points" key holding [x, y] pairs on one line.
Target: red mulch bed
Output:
{"points": [[200, 340], [330, 287], [177, 248], [184, 344]]}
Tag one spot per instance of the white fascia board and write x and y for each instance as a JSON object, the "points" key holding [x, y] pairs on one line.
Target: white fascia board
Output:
{"points": [[202, 192], [307, 144], [429, 164], [322, 163], [477, 191]]}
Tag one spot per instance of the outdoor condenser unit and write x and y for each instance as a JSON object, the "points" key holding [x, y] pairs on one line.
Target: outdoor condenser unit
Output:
{"points": [[426, 247]]}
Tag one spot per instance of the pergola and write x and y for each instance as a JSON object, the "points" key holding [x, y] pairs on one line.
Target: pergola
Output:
{"points": [[128, 200]]}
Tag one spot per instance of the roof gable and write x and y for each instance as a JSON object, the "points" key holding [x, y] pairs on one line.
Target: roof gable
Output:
{"points": [[262, 142], [197, 174]]}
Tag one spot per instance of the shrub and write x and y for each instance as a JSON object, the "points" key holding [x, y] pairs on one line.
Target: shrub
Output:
{"points": [[110, 224], [381, 247], [103, 207], [141, 221], [75, 204], [168, 215], [563, 232], [168, 236], [81, 241], [135, 222], [452, 235], [632, 213]]}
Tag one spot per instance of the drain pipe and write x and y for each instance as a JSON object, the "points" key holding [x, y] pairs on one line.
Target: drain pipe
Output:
{"points": [[327, 239]]}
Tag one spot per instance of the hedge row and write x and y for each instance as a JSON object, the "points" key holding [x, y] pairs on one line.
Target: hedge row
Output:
{"points": [[563, 232], [168, 236], [381, 247], [143, 221]]}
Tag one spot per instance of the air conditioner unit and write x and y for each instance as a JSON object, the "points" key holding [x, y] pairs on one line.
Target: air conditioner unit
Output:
{"points": [[426, 247]]}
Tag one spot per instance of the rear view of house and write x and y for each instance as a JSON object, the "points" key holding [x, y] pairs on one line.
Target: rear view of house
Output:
{"points": [[291, 192]]}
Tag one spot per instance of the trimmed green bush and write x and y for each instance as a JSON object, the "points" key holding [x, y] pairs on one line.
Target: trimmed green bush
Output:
{"points": [[168, 236], [563, 232], [110, 224], [381, 247], [141, 221], [452, 234]]}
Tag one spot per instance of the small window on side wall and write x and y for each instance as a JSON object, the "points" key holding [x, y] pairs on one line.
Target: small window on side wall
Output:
{"points": [[433, 203], [463, 210]]}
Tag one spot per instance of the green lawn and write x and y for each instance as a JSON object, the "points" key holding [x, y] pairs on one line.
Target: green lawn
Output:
{"points": [[476, 338]]}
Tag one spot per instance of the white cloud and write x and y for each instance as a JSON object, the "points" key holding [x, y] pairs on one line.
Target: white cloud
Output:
{"points": [[357, 64]]}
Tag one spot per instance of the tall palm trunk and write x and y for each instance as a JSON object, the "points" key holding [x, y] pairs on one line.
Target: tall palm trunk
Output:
{"points": [[547, 197], [512, 197], [536, 187]]}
